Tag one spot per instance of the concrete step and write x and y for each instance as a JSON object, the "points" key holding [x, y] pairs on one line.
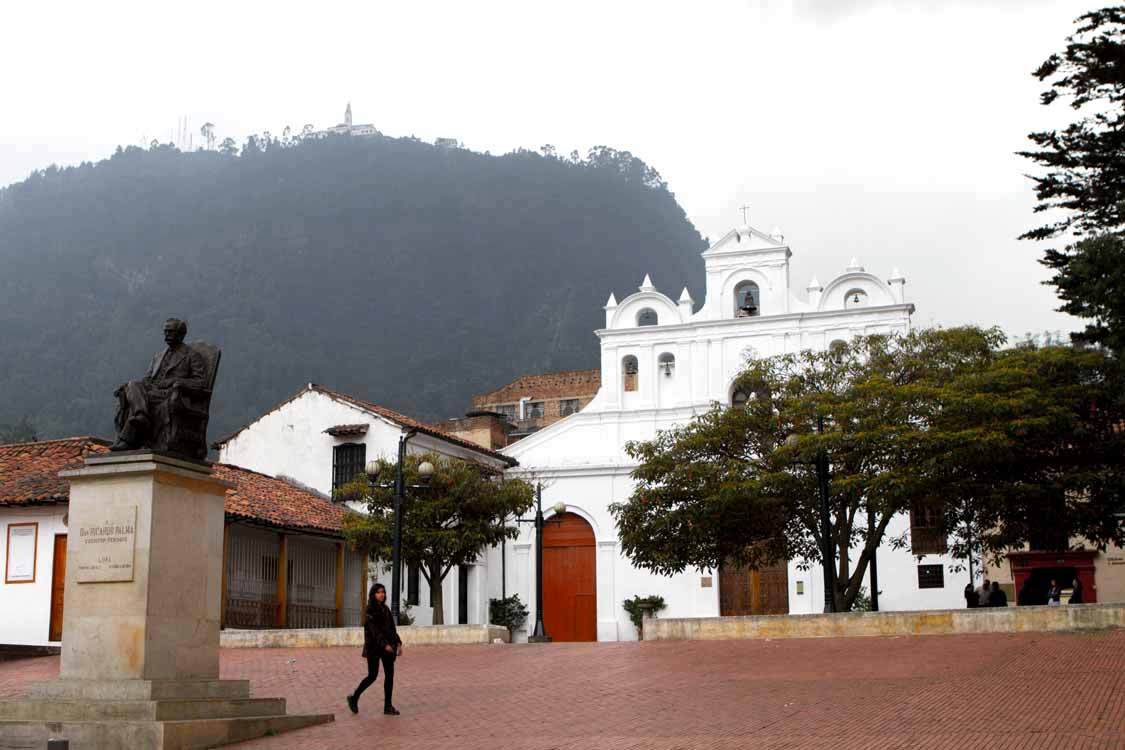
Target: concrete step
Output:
{"points": [[194, 734], [140, 690], [190, 735], [165, 710]]}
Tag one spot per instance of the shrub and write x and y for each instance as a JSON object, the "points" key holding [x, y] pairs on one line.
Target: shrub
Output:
{"points": [[404, 616], [509, 612]]}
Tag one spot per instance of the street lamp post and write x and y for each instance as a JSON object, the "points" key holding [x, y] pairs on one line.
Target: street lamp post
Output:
{"points": [[539, 632], [425, 471]]}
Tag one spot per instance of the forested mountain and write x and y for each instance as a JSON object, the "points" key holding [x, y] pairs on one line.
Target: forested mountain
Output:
{"points": [[390, 269]]}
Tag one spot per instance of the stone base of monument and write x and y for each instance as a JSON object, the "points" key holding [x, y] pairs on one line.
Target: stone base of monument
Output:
{"points": [[169, 722], [140, 656]]}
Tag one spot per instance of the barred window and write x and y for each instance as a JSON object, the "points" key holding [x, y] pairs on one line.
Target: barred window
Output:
{"points": [[348, 459], [508, 410], [534, 410], [568, 406], [931, 577]]}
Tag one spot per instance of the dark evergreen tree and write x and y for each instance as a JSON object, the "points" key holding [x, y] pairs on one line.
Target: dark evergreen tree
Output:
{"points": [[1083, 187]]}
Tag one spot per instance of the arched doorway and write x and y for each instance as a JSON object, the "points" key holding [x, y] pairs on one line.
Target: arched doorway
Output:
{"points": [[570, 611]]}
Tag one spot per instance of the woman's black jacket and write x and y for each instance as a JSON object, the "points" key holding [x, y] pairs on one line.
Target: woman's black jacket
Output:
{"points": [[379, 630]]}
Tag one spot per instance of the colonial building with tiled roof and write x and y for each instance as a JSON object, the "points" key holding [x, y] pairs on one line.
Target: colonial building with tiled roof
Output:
{"points": [[270, 522], [322, 439]]}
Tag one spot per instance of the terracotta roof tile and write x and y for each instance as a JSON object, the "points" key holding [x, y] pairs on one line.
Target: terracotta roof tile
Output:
{"points": [[29, 472], [410, 422], [344, 430], [569, 384], [29, 475], [275, 502]]}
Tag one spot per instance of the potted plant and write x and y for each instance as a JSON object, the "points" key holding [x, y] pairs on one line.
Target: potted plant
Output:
{"points": [[638, 606]]}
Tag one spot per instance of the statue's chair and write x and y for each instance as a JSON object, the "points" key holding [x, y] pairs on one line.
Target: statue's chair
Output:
{"points": [[189, 407]]}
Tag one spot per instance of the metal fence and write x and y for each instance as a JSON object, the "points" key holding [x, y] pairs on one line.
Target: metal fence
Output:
{"points": [[310, 592]]}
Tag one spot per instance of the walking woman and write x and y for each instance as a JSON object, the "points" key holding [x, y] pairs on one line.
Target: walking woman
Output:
{"points": [[380, 644]]}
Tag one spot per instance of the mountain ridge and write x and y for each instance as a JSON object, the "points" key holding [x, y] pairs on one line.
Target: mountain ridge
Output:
{"points": [[406, 274]]}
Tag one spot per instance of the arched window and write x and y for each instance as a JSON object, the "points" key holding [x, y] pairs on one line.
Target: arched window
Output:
{"points": [[855, 298], [629, 373], [837, 349], [739, 398], [646, 317], [747, 300], [667, 364]]}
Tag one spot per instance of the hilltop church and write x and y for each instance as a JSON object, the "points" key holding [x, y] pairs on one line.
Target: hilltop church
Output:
{"points": [[664, 361]]}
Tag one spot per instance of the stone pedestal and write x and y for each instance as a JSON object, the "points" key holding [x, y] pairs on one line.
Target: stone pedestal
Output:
{"points": [[140, 654]]}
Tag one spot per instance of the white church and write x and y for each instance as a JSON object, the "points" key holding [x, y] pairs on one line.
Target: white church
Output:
{"points": [[664, 361]]}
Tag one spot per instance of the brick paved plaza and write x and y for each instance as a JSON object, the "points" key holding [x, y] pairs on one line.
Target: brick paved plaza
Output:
{"points": [[954, 692]]}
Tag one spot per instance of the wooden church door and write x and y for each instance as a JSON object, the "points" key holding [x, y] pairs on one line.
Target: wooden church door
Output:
{"points": [[570, 610]]}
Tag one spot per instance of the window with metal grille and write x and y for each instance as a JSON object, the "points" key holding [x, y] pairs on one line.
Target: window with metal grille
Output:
{"points": [[348, 460], [931, 577], [534, 409], [927, 537], [508, 410], [568, 406]]}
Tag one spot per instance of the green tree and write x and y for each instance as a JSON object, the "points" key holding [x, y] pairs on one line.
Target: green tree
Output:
{"points": [[939, 421], [1084, 184], [1032, 452], [446, 524]]}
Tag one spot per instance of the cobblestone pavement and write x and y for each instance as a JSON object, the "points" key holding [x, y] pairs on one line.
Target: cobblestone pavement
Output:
{"points": [[950, 692]]}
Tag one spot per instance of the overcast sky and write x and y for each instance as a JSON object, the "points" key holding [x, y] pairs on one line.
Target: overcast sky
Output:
{"points": [[883, 129]]}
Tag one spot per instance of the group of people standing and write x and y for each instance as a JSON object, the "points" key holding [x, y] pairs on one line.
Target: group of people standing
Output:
{"points": [[988, 595], [1030, 594], [991, 595]]}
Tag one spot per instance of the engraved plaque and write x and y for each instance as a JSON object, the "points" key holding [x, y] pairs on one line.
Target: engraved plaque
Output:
{"points": [[105, 546], [705, 582]]}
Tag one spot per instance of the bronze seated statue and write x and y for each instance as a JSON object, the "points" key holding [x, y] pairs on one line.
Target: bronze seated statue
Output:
{"points": [[168, 409]]}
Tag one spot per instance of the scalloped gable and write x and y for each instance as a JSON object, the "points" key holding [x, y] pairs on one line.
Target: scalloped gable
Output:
{"points": [[741, 240]]}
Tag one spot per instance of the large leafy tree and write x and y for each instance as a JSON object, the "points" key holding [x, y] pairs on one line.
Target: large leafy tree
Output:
{"points": [[1083, 187], [1032, 452], [937, 421], [447, 523]]}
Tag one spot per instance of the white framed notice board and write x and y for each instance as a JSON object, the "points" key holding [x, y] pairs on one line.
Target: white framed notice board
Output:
{"points": [[22, 548]]}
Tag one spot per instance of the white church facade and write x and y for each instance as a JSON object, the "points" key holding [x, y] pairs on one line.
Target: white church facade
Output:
{"points": [[663, 362]]}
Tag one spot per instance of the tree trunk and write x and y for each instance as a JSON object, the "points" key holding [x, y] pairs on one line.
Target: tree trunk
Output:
{"points": [[437, 601]]}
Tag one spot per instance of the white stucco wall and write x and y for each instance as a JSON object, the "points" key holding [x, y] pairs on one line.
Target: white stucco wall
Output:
{"points": [[898, 578], [25, 608], [588, 492]]}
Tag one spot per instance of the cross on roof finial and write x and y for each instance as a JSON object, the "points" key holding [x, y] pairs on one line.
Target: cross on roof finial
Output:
{"points": [[745, 214]]}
